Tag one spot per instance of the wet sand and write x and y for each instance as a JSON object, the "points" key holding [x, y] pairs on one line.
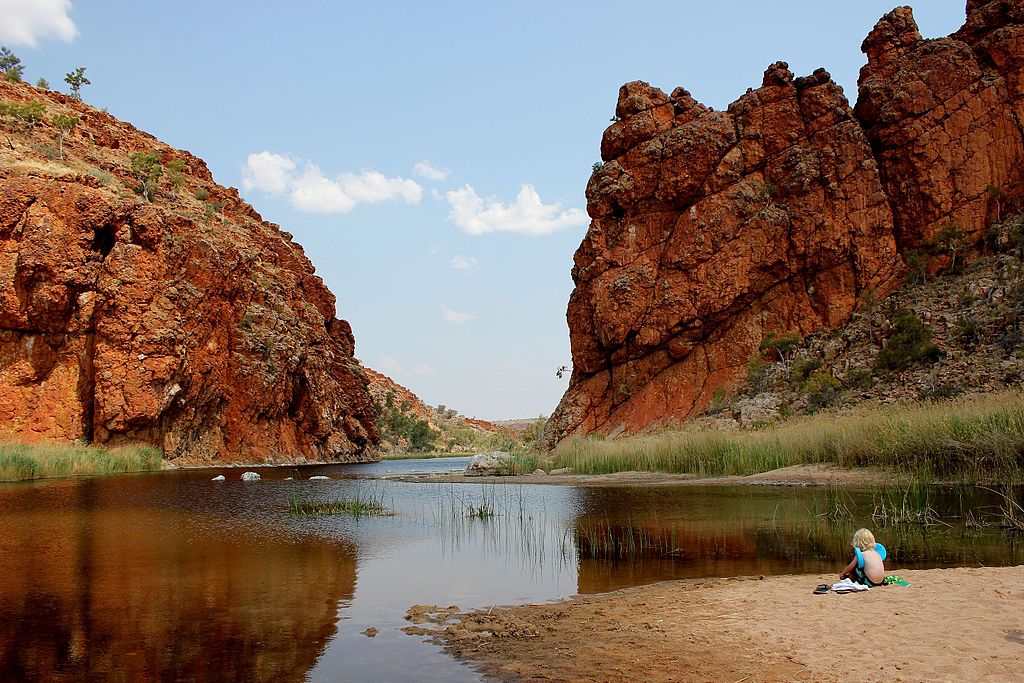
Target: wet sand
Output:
{"points": [[963, 624], [797, 475]]}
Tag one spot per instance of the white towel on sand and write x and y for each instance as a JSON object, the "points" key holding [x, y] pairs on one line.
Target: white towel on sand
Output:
{"points": [[847, 586]]}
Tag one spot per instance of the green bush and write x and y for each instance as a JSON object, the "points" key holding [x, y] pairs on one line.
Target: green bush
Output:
{"points": [[909, 344]]}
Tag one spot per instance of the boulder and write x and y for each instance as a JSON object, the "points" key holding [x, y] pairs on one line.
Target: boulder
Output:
{"points": [[219, 477], [489, 464], [250, 476]]}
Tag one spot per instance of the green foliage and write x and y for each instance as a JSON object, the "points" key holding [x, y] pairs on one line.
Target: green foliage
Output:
{"points": [[802, 368], [598, 165], [147, 170], [966, 333], [720, 400], [20, 116], [176, 173], [909, 344], [951, 239], [781, 343], [821, 389], [202, 194], [76, 79], [37, 461], [43, 83], [533, 431], [396, 423], [64, 126], [919, 260], [757, 372], [10, 65]]}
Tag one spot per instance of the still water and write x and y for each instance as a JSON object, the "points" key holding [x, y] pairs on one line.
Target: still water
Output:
{"points": [[172, 577]]}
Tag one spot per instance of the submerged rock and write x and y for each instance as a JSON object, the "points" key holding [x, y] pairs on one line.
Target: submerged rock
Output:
{"points": [[250, 476], [489, 464]]}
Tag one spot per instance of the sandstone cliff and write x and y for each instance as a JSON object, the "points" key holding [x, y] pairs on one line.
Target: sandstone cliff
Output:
{"points": [[712, 230], [187, 322]]}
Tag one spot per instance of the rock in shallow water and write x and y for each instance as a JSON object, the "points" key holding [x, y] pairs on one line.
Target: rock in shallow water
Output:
{"points": [[489, 464], [318, 477], [219, 477], [250, 476]]}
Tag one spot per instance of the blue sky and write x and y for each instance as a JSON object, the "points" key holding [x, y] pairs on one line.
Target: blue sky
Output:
{"points": [[431, 158]]}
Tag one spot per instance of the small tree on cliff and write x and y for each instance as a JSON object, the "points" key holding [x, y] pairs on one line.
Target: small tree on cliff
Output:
{"points": [[781, 344], [64, 126], [147, 170], [10, 65], [76, 79], [952, 239]]}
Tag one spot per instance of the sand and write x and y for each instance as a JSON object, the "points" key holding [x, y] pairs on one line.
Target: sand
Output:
{"points": [[949, 625]]}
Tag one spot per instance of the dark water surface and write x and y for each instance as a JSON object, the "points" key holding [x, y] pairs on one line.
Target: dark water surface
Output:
{"points": [[173, 577]]}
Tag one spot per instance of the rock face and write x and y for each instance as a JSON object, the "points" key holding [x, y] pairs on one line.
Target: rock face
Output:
{"points": [[186, 322], [712, 230]]}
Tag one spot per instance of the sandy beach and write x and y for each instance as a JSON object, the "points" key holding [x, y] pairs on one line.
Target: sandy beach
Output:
{"points": [[964, 624]]}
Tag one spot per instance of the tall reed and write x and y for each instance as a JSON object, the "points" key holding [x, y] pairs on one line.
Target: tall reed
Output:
{"points": [[20, 462], [974, 439]]}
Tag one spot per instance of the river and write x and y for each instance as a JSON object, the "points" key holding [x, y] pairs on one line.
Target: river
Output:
{"points": [[171, 576]]}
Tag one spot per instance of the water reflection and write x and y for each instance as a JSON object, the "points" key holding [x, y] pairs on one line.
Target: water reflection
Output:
{"points": [[171, 576], [97, 590]]}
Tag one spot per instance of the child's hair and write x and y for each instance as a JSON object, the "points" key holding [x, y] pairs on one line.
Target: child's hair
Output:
{"points": [[863, 539]]}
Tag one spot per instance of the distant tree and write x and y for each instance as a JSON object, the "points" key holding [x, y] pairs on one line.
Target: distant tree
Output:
{"points": [[868, 303], [147, 170], [533, 430], [76, 80], [996, 194], [952, 239], [43, 83], [10, 65], [781, 344], [560, 372], [919, 259], [64, 126]]}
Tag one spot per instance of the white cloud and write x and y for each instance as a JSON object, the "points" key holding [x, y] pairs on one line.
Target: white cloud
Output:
{"points": [[267, 172], [389, 365], [527, 214], [425, 169], [463, 263], [455, 317], [371, 186], [423, 369], [313, 192], [24, 22]]}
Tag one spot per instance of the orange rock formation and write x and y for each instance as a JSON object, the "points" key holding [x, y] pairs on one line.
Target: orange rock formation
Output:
{"points": [[188, 323], [712, 229]]}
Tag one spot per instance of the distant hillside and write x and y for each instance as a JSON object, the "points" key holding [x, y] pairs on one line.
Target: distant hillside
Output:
{"points": [[408, 425]]}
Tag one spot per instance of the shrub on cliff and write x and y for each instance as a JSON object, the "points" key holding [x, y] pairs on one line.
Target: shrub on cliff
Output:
{"points": [[147, 170], [21, 117], [909, 344]]}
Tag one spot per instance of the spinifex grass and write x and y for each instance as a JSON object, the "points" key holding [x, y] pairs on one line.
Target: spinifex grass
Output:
{"points": [[47, 460], [360, 505], [975, 439]]}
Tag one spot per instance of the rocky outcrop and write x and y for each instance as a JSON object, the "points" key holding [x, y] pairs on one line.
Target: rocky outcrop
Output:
{"points": [[186, 322], [712, 230]]}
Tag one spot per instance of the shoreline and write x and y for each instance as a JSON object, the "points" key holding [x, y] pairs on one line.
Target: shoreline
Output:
{"points": [[949, 624], [795, 475]]}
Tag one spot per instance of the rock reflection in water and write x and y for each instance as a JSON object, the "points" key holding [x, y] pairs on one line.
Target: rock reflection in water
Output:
{"points": [[110, 592]]}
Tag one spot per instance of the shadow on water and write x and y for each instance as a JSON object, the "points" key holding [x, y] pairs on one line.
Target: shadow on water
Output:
{"points": [[172, 576]]}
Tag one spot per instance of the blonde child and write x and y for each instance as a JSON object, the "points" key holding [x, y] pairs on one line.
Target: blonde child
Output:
{"points": [[866, 567]]}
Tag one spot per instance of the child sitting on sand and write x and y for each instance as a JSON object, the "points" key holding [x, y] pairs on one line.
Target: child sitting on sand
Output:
{"points": [[866, 567]]}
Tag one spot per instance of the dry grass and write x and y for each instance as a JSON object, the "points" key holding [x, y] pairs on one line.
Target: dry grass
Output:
{"points": [[979, 439], [20, 462]]}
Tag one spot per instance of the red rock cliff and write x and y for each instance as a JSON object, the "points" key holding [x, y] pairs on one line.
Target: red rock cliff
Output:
{"points": [[187, 322], [712, 229]]}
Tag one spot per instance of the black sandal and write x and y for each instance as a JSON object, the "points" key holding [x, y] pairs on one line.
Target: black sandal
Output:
{"points": [[822, 588]]}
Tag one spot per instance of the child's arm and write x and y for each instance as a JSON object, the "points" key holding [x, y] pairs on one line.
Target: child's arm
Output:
{"points": [[849, 569]]}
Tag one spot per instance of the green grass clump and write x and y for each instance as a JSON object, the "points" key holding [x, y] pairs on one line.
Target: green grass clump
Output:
{"points": [[19, 462], [361, 505], [978, 439]]}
